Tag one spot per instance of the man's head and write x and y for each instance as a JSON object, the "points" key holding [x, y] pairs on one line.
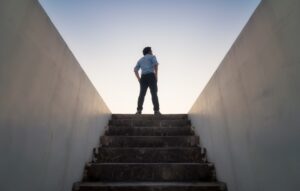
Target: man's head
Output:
{"points": [[147, 50]]}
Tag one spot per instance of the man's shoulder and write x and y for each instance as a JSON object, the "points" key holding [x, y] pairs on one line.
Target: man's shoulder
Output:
{"points": [[141, 59], [148, 56]]}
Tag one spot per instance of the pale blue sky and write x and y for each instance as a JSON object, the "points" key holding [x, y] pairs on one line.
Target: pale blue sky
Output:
{"points": [[189, 37]]}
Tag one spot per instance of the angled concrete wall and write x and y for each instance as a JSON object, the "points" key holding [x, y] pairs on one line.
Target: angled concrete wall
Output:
{"points": [[51, 116], [248, 114]]}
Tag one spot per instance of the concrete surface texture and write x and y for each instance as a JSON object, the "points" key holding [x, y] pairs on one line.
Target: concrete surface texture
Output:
{"points": [[248, 114], [51, 116], [157, 153]]}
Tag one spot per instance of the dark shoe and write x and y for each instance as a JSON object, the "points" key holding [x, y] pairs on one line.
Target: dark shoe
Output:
{"points": [[157, 113], [138, 113]]}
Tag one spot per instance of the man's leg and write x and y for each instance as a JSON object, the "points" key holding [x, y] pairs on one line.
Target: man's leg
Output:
{"points": [[153, 89], [143, 90]]}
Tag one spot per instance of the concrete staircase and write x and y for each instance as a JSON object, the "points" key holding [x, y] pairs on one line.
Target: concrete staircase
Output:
{"points": [[149, 153]]}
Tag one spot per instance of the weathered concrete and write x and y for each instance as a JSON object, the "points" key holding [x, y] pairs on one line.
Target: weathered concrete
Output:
{"points": [[161, 162], [150, 131], [150, 172], [51, 116], [150, 116], [152, 186], [149, 141], [248, 114], [149, 155], [149, 122]]}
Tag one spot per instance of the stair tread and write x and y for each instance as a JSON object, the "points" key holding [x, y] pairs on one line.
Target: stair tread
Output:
{"points": [[149, 119], [152, 163], [149, 122], [149, 154], [170, 147], [150, 126], [124, 172], [138, 136], [149, 141], [151, 183], [151, 148], [124, 116], [153, 186]]}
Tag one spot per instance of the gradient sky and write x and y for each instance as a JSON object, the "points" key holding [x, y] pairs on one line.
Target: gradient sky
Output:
{"points": [[189, 37]]}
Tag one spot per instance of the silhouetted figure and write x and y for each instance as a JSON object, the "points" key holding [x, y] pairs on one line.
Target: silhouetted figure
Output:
{"points": [[149, 66]]}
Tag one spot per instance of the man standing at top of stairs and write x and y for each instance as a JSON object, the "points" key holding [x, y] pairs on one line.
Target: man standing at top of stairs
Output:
{"points": [[149, 66]]}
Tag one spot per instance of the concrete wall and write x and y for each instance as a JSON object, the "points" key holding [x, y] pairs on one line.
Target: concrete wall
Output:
{"points": [[248, 114], [51, 116]]}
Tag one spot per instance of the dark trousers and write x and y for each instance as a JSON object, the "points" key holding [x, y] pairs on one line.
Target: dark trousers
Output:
{"points": [[148, 80]]}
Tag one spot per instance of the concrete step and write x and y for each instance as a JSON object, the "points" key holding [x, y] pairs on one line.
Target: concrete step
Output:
{"points": [[150, 186], [149, 131], [150, 122], [124, 172], [149, 155], [149, 116], [149, 141]]}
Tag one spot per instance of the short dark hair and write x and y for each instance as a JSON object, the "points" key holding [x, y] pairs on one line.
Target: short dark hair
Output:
{"points": [[147, 50]]}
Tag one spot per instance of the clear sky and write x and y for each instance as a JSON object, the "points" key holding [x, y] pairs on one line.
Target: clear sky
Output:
{"points": [[189, 37]]}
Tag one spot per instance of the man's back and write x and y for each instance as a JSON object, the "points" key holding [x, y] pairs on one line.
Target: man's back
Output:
{"points": [[146, 63]]}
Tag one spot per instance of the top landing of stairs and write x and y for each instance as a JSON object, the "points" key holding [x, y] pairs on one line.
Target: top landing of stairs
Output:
{"points": [[150, 116]]}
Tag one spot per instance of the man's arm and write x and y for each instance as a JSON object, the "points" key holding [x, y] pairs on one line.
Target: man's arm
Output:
{"points": [[156, 70], [136, 71], [154, 61], [137, 75]]}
